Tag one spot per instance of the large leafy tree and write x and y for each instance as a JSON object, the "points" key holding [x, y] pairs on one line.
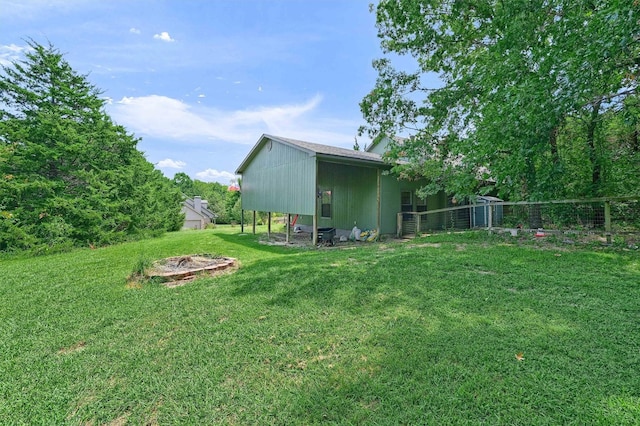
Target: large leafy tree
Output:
{"points": [[68, 174], [517, 77]]}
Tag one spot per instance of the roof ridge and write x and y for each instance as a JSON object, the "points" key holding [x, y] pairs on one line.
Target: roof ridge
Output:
{"points": [[328, 149]]}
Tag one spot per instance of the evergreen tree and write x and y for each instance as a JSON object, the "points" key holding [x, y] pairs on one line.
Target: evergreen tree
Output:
{"points": [[68, 174]]}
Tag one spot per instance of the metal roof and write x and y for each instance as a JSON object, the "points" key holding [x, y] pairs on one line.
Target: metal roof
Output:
{"points": [[327, 152]]}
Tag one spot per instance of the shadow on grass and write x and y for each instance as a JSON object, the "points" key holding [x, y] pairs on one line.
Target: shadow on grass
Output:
{"points": [[252, 241], [432, 336], [382, 334]]}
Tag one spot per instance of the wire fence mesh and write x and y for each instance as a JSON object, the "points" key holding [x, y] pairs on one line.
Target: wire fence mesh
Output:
{"points": [[619, 215]]}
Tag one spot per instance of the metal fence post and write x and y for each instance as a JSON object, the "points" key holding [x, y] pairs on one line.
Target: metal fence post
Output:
{"points": [[490, 219], [607, 220]]}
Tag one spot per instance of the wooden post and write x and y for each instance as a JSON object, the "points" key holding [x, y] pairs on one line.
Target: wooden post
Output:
{"points": [[269, 225], [316, 194], [378, 202], [399, 225], [288, 226], [315, 229], [242, 221], [254, 222], [607, 221], [418, 216]]}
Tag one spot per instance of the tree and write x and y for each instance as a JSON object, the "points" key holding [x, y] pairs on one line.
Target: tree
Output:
{"points": [[68, 174], [514, 75], [184, 183]]}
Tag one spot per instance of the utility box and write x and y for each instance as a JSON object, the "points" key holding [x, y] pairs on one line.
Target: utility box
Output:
{"points": [[480, 212]]}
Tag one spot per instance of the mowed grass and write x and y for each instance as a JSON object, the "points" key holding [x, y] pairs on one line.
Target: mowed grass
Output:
{"points": [[421, 332]]}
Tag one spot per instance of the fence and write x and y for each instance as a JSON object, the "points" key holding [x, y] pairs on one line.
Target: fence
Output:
{"points": [[604, 215]]}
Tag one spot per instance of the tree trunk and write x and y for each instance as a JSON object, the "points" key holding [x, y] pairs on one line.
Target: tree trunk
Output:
{"points": [[553, 142]]}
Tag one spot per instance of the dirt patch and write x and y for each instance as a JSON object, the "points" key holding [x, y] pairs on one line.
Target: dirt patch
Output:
{"points": [[296, 239], [431, 245], [179, 270], [120, 421], [73, 348]]}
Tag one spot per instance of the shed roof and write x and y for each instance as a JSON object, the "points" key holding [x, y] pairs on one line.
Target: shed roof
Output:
{"points": [[327, 152]]}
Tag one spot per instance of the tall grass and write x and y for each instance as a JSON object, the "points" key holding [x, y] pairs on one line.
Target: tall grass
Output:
{"points": [[425, 332]]}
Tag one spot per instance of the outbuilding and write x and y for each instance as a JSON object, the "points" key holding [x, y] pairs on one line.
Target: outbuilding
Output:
{"points": [[328, 186]]}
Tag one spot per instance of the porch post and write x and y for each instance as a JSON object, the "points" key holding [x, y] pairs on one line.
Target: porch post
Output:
{"points": [[288, 226], [378, 202], [315, 229], [269, 225], [315, 204]]}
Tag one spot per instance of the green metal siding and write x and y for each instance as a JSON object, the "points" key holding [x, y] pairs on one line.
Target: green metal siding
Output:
{"points": [[391, 189], [354, 195], [379, 145], [279, 179], [389, 203], [282, 178]]}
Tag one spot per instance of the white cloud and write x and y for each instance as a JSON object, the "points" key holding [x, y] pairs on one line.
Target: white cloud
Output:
{"points": [[134, 31], [212, 175], [168, 118], [164, 36], [10, 53], [168, 163], [162, 117], [201, 96]]}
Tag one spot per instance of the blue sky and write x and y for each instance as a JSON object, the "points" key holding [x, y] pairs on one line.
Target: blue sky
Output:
{"points": [[200, 81]]}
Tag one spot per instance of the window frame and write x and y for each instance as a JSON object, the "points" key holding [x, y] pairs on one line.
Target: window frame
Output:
{"points": [[326, 208]]}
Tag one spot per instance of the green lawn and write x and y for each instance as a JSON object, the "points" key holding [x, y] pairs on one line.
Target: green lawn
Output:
{"points": [[420, 332]]}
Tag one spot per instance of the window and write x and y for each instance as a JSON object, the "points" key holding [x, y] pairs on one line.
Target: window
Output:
{"points": [[421, 204], [406, 201], [325, 204]]}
